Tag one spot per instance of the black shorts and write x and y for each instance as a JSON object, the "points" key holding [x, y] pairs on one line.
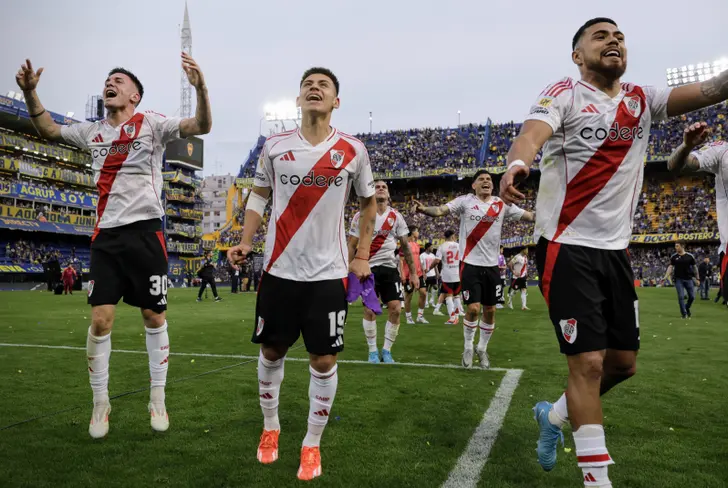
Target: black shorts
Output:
{"points": [[129, 262], [450, 288], [387, 283], [481, 284], [723, 275], [519, 284], [591, 297], [431, 281], [408, 286], [286, 309]]}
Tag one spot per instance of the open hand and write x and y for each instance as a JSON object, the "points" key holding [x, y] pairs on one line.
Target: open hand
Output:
{"points": [[696, 134], [194, 73], [26, 78]]}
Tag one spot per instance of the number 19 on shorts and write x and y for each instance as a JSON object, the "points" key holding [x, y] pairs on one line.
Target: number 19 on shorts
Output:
{"points": [[336, 323]]}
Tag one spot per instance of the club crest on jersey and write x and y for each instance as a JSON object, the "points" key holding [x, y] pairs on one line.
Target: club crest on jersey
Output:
{"points": [[337, 158], [130, 130], [495, 207], [466, 295], [568, 329], [634, 106], [190, 149], [259, 328], [390, 221], [90, 287]]}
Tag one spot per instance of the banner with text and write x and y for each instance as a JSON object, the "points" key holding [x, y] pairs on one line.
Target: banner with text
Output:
{"points": [[674, 237], [34, 225], [54, 217], [12, 140], [47, 195]]}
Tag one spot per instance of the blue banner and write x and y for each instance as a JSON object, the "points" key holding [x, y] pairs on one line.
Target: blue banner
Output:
{"points": [[48, 195], [34, 225]]}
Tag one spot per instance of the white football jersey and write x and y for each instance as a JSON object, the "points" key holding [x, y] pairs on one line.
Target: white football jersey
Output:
{"points": [[127, 165], [426, 259], [306, 238], [480, 227], [713, 158], [388, 228], [449, 255], [592, 165], [520, 266]]}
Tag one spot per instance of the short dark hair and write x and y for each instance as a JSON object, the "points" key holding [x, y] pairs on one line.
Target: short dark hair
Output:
{"points": [[321, 71], [481, 172], [449, 233], [133, 78], [587, 24], [413, 229], [682, 243], [428, 245]]}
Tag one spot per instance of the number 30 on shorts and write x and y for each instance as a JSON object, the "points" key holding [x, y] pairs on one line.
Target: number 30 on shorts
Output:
{"points": [[159, 285], [336, 323]]}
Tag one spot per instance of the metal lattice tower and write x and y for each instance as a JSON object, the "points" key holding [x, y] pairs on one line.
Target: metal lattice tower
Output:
{"points": [[185, 95]]}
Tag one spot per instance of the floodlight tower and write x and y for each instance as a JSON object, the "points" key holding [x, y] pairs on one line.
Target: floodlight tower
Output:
{"points": [[185, 99], [282, 111]]}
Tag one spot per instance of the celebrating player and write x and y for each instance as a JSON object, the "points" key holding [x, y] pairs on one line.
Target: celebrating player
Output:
{"points": [[309, 172], [431, 276], [519, 267], [711, 158], [481, 221], [128, 253], [388, 228], [416, 283], [594, 133], [449, 255]]}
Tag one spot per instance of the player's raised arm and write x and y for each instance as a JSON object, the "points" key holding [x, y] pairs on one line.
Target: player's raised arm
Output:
{"points": [[681, 159], [434, 211], [525, 147], [27, 80], [695, 96], [201, 123]]}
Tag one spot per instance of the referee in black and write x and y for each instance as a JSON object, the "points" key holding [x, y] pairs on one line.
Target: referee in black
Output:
{"points": [[207, 274], [686, 273]]}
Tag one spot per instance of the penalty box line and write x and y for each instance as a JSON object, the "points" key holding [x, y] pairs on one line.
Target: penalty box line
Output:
{"points": [[242, 356]]}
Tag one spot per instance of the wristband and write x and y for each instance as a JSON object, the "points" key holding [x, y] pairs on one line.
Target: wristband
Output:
{"points": [[37, 115], [517, 162], [256, 203], [363, 259]]}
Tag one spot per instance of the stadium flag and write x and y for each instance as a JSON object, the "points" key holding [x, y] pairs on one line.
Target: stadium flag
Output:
{"points": [[48, 195]]}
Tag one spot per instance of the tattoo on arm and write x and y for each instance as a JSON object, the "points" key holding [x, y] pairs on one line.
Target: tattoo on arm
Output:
{"points": [[407, 253], [438, 211], [716, 89], [682, 160]]}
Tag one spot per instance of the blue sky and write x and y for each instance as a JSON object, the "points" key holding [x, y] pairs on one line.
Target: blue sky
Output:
{"points": [[411, 63]]}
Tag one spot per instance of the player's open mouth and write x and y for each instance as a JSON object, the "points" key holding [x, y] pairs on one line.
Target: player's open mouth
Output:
{"points": [[314, 98], [110, 94], [612, 53]]}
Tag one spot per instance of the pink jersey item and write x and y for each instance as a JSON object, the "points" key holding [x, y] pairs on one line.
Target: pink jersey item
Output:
{"points": [[127, 165], [593, 164], [415, 249], [310, 185]]}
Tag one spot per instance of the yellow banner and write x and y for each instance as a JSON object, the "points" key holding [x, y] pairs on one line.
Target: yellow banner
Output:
{"points": [[9, 165], [674, 237], [244, 182], [54, 217], [10, 140], [49, 173]]}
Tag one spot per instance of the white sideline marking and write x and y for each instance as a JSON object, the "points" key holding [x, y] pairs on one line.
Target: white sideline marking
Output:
{"points": [[466, 473], [239, 356]]}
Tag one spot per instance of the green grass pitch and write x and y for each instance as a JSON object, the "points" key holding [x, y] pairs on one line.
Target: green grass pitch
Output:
{"points": [[391, 426]]}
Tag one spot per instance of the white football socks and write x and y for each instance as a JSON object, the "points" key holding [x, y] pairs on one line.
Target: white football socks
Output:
{"points": [[524, 294], [450, 306], [321, 393], [458, 304], [390, 335], [559, 414], [370, 332], [270, 377], [486, 330], [469, 333], [592, 455], [98, 350], [420, 312], [158, 351]]}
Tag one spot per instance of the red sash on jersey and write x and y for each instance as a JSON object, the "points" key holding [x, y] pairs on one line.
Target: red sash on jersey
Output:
{"points": [[494, 209], [378, 241]]}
